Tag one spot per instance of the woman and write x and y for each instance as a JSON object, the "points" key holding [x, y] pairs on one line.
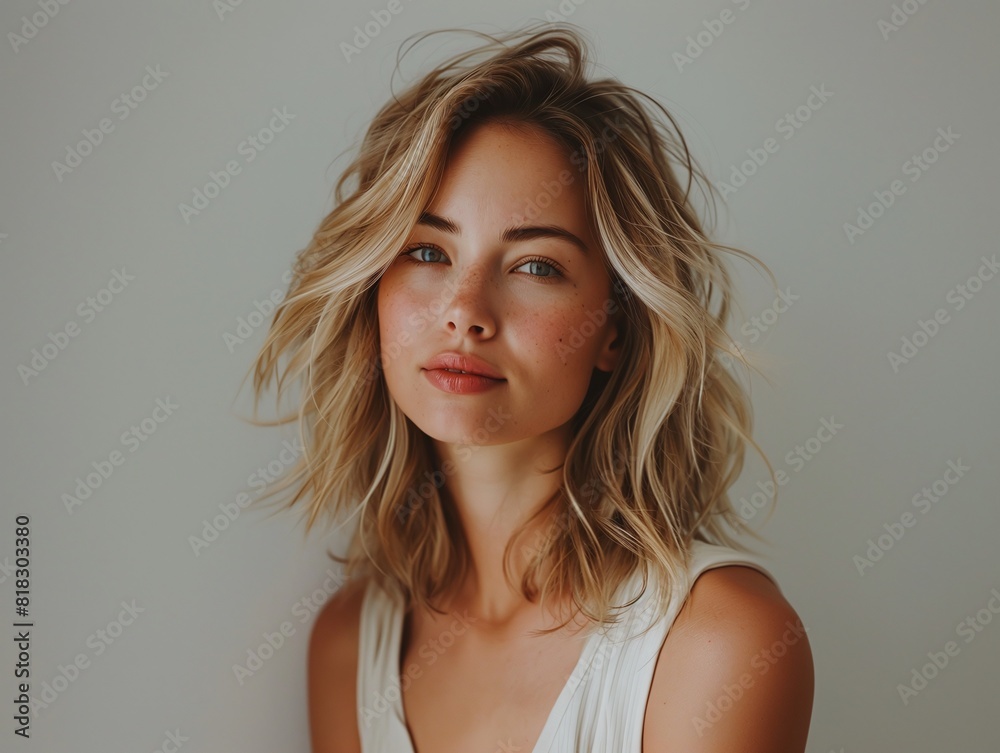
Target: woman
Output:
{"points": [[510, 335]]}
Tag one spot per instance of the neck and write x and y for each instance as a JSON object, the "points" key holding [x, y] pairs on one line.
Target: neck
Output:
{"points": [[494, 491]]}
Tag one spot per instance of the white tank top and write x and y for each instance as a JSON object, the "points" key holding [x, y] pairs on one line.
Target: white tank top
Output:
{"points": [[601, 706]]}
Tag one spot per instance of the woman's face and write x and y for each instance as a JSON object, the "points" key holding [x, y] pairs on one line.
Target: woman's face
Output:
{"points": [[477, 277]]}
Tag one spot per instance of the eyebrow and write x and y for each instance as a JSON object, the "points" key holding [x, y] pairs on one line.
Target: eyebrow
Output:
{"points": [[513, 234]]}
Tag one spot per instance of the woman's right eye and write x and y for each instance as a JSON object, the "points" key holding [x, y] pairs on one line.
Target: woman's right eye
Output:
{"points": [[421, 247]]}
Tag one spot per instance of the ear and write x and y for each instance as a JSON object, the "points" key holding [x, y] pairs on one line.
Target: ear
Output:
{"points": [[611, 348]]}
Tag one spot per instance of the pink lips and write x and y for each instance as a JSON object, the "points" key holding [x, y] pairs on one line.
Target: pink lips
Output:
{"points": [[461, 384], [463, 362], [443, 372]]}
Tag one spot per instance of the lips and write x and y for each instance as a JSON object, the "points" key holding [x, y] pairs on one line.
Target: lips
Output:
{"points": [[459, 362]]}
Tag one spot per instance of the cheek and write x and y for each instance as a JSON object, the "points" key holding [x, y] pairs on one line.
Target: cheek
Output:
{"points": [[564, 341], [393, 308], [394, 334], [405, 315]]}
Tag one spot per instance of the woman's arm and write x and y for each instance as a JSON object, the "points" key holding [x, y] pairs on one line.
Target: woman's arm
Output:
{"points": [[735, 673], [332, 670]]}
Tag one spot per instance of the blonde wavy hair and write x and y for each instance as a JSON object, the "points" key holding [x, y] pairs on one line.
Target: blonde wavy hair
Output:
{"points": [[657, 442]]}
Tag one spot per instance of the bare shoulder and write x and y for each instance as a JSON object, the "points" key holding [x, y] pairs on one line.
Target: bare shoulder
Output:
{"points": [[735, 671], [332, 672]]}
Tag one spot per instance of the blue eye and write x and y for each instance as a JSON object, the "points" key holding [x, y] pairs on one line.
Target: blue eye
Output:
{"points": [[421, 247], [543, 263]]}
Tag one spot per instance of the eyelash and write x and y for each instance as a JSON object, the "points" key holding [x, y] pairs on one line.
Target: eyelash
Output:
{"points": [[559, 272]]}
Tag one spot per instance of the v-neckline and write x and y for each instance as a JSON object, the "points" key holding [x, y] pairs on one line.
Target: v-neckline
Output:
{"points": [[547, 735]]}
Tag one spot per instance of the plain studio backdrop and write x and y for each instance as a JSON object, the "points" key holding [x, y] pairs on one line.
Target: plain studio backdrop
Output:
{"points": [[855, 143]]}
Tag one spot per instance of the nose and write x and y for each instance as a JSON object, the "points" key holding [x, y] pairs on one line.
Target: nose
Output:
{"points": [[469, 311]]}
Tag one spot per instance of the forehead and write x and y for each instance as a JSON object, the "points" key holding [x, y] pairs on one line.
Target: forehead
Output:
{"points": [[499, 172]]}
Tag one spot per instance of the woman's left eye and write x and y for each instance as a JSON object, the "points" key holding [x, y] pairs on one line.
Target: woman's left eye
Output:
{"points": [[543, 263]]}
